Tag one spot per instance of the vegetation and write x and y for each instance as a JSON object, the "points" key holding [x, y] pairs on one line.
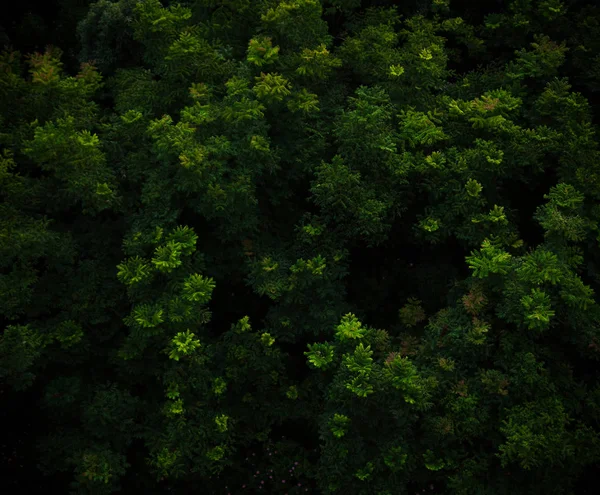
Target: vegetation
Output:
{"points": [[302, 246]]}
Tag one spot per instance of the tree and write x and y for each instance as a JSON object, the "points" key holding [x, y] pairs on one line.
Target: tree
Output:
{"points": [[304, 246]]}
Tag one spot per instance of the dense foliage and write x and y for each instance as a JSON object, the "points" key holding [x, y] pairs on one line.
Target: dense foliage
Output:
{"points": [[290, 246]]}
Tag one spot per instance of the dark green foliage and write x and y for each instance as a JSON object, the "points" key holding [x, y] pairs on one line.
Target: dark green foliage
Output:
{"points": [[301, 246], [106, 35]]}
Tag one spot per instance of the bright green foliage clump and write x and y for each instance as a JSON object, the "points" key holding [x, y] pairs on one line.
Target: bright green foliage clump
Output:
{"points": [[307, 246]]}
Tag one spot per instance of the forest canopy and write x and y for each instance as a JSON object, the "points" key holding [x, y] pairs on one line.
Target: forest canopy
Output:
{"points": [[300, 246]]}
